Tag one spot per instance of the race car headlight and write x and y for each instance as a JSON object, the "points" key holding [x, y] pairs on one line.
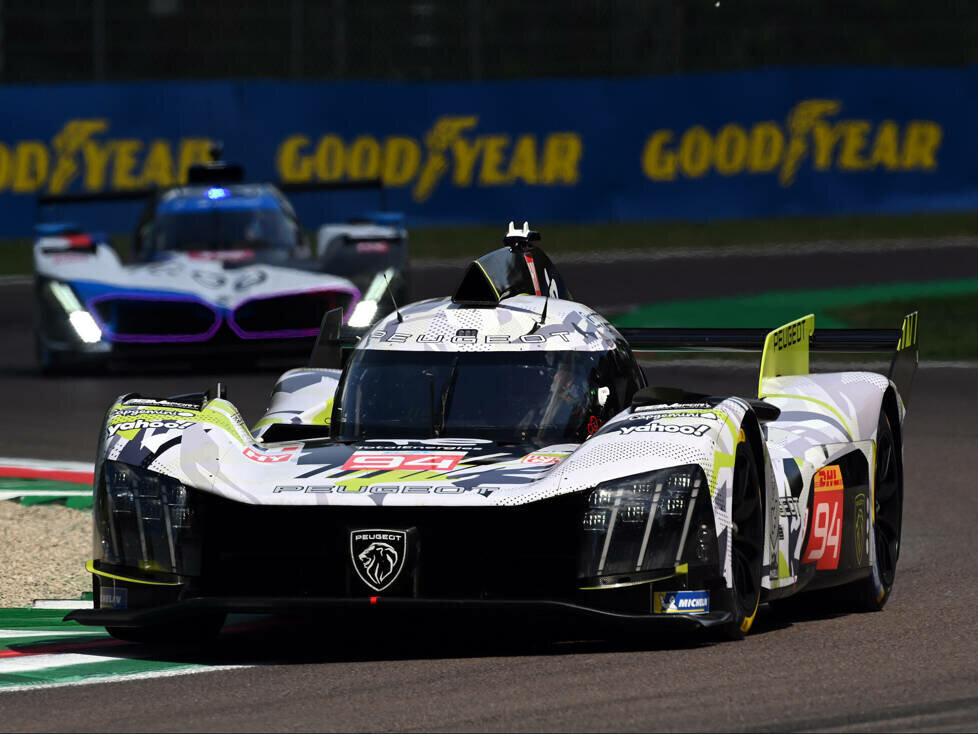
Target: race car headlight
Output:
{"points": [[363, 314], [147, 521], [639, 523], [81, 321]]}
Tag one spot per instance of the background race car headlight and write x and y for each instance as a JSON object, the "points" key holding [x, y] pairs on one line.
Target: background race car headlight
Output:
{"points": [[641, 523], [81, 321], [147, 521]]}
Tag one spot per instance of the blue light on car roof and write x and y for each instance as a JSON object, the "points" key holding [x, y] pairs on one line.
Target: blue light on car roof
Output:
{"points": [[217, 193]]}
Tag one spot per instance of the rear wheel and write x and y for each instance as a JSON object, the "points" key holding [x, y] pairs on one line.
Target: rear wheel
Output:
{"points": [[871, 593], [747, 544]]}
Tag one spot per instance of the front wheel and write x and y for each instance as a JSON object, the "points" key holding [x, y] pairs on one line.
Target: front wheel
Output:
{"points": [[747, 544]]}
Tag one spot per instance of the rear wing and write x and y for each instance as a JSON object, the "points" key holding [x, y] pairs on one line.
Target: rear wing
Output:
{"points": [[785, 350]]}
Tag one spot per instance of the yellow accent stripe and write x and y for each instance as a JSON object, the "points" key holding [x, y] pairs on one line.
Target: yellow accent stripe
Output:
{"points": [[629, 583], [90, 567], [323, 417], [908, 331], [491, 284], [825, 405]]}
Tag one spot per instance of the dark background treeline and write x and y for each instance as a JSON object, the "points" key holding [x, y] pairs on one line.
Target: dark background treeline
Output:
{"points": [[121, 40]]}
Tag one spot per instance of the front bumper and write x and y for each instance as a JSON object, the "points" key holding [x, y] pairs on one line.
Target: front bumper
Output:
{"points": [[397, 606]]}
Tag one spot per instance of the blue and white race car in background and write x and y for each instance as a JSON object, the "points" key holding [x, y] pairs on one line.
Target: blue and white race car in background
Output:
{"points": [[216, 269]]}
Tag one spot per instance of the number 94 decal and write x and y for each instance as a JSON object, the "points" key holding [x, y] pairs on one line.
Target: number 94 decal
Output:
{"points": [[825, 540]]}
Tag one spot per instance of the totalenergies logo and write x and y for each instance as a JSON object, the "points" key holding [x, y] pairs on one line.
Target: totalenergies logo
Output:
{"points": [[451, 150], [81, 150], [812, 132]]}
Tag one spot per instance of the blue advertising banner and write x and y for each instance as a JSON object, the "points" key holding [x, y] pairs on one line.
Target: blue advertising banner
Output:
{"points": [[697, 147]]}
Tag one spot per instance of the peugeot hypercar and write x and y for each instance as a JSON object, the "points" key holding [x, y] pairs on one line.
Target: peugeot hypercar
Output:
{"points": [[500, 450], [217, 268]]}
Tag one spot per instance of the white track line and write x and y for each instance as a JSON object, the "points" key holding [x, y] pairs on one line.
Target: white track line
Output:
{"points": [[121, 678], [16, 279], [28, 663], [82, 466], [17, 634], [63, 604]]}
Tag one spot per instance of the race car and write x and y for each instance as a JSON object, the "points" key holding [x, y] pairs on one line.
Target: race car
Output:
{"points": [[219, 268], [500, 451]]}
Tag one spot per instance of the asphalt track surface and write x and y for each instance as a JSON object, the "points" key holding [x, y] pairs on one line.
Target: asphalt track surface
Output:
{"points": [[913, 666]]}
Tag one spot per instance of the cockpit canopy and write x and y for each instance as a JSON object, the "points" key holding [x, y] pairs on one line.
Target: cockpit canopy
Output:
{"points": [[533, 398]]}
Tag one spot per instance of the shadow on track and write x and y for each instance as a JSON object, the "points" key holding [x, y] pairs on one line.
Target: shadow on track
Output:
{"points": [[264, 640]]}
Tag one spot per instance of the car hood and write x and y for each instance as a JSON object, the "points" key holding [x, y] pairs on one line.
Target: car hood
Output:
{"points": [[225, 285], [212, 450]]}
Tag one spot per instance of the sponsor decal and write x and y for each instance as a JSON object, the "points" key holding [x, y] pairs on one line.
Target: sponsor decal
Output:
{"points": [[812, 131], [421, 444], [788, 507], [542, 459], [671, 406], [825, 540], [270, 456], [451, 150], [484, 490], [378, 556], [681, 602], [161, 412], [404, 461], [402, 338], [789, 335], [112, 598], [82, 150], [140, 424], [163, 403], [658, 415], [668, 428]]}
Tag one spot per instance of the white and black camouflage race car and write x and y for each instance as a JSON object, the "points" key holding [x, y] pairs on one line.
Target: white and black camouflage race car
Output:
{"points": [[217, 269], [500, 451]]}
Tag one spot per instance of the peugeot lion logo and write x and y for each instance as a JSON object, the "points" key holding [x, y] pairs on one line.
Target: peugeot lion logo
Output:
{"points": [[378, 556]]}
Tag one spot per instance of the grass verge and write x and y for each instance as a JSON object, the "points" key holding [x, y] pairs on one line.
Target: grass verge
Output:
{"points": [[948, 326]]}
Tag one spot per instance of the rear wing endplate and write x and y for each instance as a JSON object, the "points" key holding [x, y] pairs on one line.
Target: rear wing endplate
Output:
{"points": [[785, 350]]}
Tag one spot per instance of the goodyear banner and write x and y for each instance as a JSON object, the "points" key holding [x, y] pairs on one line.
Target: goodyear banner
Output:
{"points": [[745, 144]]}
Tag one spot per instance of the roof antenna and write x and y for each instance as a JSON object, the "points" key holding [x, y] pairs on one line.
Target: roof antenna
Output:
{"points": [[400, 319], [543, 315]]}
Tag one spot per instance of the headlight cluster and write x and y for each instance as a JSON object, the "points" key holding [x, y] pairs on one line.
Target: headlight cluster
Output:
{"points": [[642, 523], [82, 322], [147, 521]]}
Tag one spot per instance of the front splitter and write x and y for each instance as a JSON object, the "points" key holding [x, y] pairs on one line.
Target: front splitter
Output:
{"points": [[195, 607]]}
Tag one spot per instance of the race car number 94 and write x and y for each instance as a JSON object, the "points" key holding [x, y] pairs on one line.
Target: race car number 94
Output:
{"points": [[441, 461]]}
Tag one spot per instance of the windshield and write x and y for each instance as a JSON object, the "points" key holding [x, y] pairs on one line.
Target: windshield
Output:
{"points": [[510, 397], [225, 229]]}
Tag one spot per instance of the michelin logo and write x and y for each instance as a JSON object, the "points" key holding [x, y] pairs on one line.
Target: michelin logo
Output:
{"points": [[681, 602]]}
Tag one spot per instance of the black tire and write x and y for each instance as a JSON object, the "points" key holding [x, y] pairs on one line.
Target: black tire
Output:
{"points": [[747, 538], [870, 594]]}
